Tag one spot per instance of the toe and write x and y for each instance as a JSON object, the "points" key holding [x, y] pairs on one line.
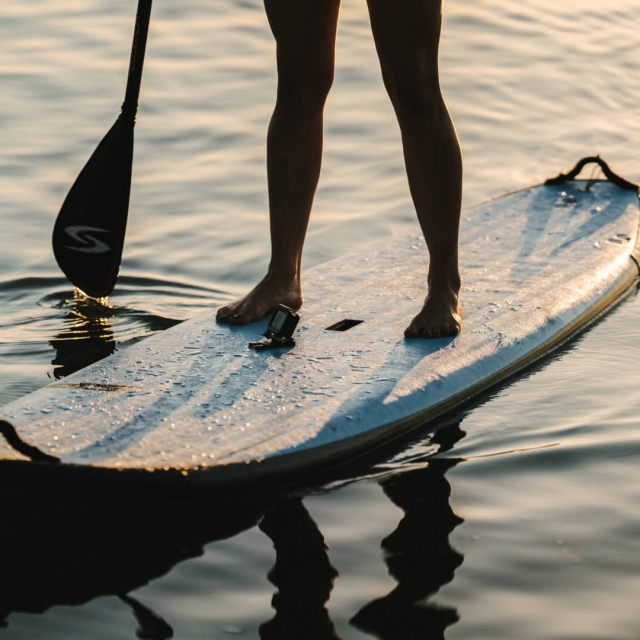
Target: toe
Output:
{"points": [[238, 319], [428, 332], [411, 332], [222, 314], [454, 330]]}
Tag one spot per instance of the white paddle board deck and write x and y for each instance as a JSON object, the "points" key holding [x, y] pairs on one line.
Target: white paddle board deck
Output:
{"points": [[195, 402]]}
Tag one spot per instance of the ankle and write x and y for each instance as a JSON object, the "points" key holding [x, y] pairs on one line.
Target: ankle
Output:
{"points": [[283, 277], [445, 283]]}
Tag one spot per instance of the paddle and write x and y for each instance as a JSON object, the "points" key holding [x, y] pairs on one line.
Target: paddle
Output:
{"points": [[88, 235]]}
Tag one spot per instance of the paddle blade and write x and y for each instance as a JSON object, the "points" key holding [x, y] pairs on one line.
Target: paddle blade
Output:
{"points": [[88, 235]]}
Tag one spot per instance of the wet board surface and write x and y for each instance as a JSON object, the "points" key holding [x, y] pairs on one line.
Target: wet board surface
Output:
{"points": [[537, 266]]}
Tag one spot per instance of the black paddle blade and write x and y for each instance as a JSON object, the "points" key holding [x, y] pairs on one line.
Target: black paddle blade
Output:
{"points": [[88, 235]]}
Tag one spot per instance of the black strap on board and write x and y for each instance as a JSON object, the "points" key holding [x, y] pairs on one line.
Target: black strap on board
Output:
{"points": [[614, 178], [611, 176]]}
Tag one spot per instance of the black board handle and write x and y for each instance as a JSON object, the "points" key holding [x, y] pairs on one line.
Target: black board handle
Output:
{"points": [[611, 176]]}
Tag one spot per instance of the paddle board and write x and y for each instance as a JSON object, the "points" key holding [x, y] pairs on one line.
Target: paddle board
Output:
{"points": [[195, 406]]}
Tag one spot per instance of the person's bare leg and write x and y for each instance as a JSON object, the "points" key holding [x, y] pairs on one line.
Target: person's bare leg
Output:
{"points": [[407, 34], [305, 32]]}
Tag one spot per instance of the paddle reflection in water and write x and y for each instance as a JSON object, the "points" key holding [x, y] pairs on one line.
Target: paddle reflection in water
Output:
{"points": [[87, 335], [63, 549]]}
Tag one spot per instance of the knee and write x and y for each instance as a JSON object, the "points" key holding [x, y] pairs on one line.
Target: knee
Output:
{"points": [[413, 89], [303, 85]]}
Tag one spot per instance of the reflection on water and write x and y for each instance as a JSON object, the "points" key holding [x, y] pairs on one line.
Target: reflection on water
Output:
{"points": [[70, 549], [418, 553], [86, 336], [58, 330], [303, 574], [151, 625]]}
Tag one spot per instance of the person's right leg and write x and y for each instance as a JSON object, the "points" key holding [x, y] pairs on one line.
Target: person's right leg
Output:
{"points": [[305, 33]]}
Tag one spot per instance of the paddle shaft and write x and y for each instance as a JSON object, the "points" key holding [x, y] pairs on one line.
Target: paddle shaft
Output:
{"points": [[88, 236], [140, 32]]}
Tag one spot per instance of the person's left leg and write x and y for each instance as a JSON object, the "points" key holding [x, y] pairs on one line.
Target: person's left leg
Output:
{"points": [[407, 34]]}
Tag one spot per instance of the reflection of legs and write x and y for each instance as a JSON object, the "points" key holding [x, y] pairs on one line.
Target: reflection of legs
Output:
{"points": [[418, 552], [407, 34], [152, 626], [419, 557], [302, 573], [305, 33]]}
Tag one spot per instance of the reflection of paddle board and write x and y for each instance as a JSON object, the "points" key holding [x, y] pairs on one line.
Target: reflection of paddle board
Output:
{"points": [[196, 405]]}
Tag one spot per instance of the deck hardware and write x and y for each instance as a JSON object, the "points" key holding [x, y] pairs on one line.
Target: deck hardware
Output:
{"points": [[344, 325], [280, 329]]}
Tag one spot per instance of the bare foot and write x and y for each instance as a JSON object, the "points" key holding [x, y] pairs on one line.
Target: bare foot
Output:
{"points": [[262, 299], [440, 317]]}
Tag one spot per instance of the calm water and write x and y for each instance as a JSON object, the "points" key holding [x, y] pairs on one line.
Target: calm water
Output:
{"points": [[526, 525]]}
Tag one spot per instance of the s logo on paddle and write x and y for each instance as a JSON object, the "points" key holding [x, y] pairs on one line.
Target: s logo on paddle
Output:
{"points": [[87, 243]]}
